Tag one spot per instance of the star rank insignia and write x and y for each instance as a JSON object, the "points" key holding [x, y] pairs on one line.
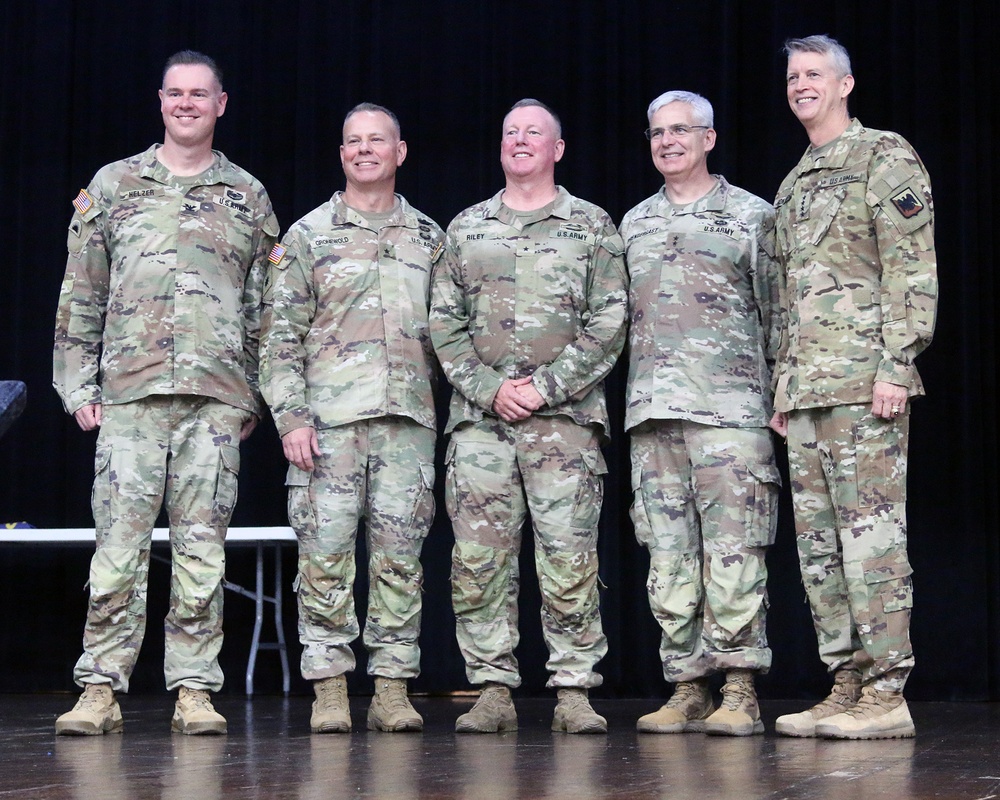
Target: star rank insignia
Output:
{"points": [[907, 203], [83, 202], [277, 253]]}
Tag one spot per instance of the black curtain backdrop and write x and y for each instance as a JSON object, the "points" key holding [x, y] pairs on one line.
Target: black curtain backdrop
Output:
{"points": [[78, 88]]}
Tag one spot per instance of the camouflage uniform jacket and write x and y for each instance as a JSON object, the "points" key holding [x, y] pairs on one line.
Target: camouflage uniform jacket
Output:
{"points": [[163, 285], [541, 295], [855, 236], [703, 299], [345, 319]]}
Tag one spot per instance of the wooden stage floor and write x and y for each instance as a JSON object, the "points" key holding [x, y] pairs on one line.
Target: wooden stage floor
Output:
{"points": [[269, 753]]}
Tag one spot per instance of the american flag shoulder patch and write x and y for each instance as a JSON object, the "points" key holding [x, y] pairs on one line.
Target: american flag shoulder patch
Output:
{"points": [[277, 253], [83, 202]]}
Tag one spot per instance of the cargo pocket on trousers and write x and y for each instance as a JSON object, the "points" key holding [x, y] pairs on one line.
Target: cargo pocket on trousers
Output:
{"points": [[100, 494], [450, 485], [301, 508], [763, 484], [226, 484], [890, 599], [590, 490], [423, 505], [876, 449], [637, 511]]}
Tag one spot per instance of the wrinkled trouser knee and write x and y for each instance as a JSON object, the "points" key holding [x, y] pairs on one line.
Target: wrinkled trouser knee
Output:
{"points": [[705, 505], [380, 472], [848, 473], [181, 452], [497, 473]]}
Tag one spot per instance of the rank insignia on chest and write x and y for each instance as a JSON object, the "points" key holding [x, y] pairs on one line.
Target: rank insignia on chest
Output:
{"points": [[907, 203], [83, 202], [277, 253]]}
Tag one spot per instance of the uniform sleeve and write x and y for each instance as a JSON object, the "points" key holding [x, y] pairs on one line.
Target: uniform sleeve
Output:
{"points": [[588, 359], [766, 273], [253, 289], [450, 335], [899, 192], [83, 300], [289, 310]]}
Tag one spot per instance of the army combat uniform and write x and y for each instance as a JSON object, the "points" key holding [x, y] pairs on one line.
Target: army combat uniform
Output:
{"points": [[855, 239], [516, 294], [158, 321], [703, 302], [346, 350]]}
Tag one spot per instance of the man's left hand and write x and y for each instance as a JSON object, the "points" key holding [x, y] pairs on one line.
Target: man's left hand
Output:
{"points": [[888, 400]]}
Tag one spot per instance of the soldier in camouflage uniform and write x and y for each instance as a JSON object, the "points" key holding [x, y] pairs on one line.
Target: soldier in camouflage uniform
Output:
{"points": [[855, 235], [348, 371], [156, 344], [528, 316], [703, 302]]}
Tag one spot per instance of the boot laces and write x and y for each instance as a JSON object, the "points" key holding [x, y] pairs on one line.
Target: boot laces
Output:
{"points": [[683, 692], [492, 697], [92, 699], [199, 699], [394, 695], [734, 695]]}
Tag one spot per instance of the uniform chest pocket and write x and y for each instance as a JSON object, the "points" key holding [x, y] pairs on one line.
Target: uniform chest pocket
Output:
{"points": [[828, 204]]}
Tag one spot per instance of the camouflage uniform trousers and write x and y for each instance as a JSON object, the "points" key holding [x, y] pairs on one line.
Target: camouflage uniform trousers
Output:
{"points": [[497, 473], [848, 473], [380, 471], [181, 452], [705, 506]]}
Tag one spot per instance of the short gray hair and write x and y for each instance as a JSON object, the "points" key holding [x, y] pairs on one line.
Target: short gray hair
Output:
{"points": [[824, 45], [528, 102], [703, 113], [375, 108]]}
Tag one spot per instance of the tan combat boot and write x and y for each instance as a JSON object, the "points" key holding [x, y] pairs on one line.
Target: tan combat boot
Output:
{"points": [[195, 715], [687, 710], [331, 711], [96, 712], [574, 713], [845, 694], [739, 714], [391, 709], [877, 715], [492, 713]]}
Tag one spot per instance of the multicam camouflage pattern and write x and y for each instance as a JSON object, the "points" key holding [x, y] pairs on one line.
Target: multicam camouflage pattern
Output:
{"points": [[705, 505], [539, 294], [848, 473], [497, 472], [855, 235], [163, 285], [380, 471], [184, 450], [345, 320], [703, 303]]}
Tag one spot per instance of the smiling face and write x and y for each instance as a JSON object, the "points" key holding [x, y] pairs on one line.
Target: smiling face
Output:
{"points": [[679, 158], [191, 100], [530, 145], [372, 149], [817, 95]]}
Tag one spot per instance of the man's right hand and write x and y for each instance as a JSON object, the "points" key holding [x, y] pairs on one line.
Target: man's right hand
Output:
{"points": [[779, 423], [509, 404], [88, 417], [300, 445]]}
